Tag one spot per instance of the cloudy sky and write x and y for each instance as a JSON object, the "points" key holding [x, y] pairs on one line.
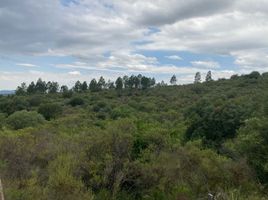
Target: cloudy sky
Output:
{"points": [[67, 40]]}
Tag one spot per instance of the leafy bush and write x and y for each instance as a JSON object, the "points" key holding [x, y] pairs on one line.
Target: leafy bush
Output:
{"points": [[76, 101], [121, 112], [214, 123], [23, 119], [2, 120], [13, 104], [50, 110], [36, 100]]}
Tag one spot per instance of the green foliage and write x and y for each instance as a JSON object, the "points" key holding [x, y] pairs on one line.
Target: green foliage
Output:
{"points": [[2, 120], [252, 142], [13, 104], [76, 101], [214, 123], [173, 80], [23, 119], [93, 86], [119, 83], [139, 142], [50, 110]]}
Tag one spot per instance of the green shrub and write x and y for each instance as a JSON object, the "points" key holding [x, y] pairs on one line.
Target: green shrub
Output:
{"points": [[2, 120], [23, 119], [36, 100], [50, 110], [76, 101], [121, 112]]}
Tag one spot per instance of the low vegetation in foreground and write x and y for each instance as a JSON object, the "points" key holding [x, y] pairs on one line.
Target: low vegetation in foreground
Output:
{"points": [[134, 139]]}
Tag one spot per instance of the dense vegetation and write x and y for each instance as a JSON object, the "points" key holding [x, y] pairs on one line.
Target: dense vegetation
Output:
{"points": [[135, 139]]}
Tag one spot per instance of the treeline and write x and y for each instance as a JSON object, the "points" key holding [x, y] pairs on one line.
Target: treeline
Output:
{"points": [[132, 82], [125, 82]]}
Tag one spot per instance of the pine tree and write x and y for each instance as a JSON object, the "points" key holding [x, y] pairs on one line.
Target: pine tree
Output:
{"points": [[197, 78], [93, 86], [101, 83], [173, 80], [77, 86], [209, 76], [21, 90], [41, 86], [31, 88], [119, 83], [84, 86]]}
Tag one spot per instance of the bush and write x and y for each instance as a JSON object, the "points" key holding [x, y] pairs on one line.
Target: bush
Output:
{"points": [[76, 101], [2, 120], [121, 112], [67, 94], [23, 119], [36, 100], [50, 110]]}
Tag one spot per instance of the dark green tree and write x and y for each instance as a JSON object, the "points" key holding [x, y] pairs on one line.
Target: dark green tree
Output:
{"points": [[197, 78], [52, 87], [31, 88], [209, 76], [78, 86], [110, 85], [93, 86], [145, 82], [21, 90], [64, 88], [101, 83], [119, 83], [84, 86], [126, 82], [40, 86], [152, 82], [173, 80]]}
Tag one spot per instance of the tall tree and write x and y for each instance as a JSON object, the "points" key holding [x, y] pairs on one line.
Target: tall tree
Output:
{"points": [[77, 87], [126, 82], [152, 82], [173, 80], [110, 84], [93, 86], [197, 78], [64, 89], [31, 88], [84, 86], [209, 76], [119, 83], [101, 83], [139, 77], [22, 89], [41, 86], [145, 82], [52, 87], [131, 81]]}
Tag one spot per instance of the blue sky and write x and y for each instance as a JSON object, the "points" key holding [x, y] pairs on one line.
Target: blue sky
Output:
{"points": [[69, 40]]}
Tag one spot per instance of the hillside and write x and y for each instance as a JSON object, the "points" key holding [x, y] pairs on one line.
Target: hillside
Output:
{"points": [[155, 142]]}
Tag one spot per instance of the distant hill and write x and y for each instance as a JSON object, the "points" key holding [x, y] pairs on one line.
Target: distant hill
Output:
{"points": [[6, 92]]}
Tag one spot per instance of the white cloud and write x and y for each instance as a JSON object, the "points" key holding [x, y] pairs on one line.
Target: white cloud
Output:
{"points": [[108, 34], [174, 57], [26, 65], [206, 64], [75, 73]]}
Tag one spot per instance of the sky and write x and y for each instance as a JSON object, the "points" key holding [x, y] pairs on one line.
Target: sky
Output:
{"points": [[70, 40]]}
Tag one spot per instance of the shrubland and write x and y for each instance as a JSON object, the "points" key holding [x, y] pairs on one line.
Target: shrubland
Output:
{"points": [[136, 140]]}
